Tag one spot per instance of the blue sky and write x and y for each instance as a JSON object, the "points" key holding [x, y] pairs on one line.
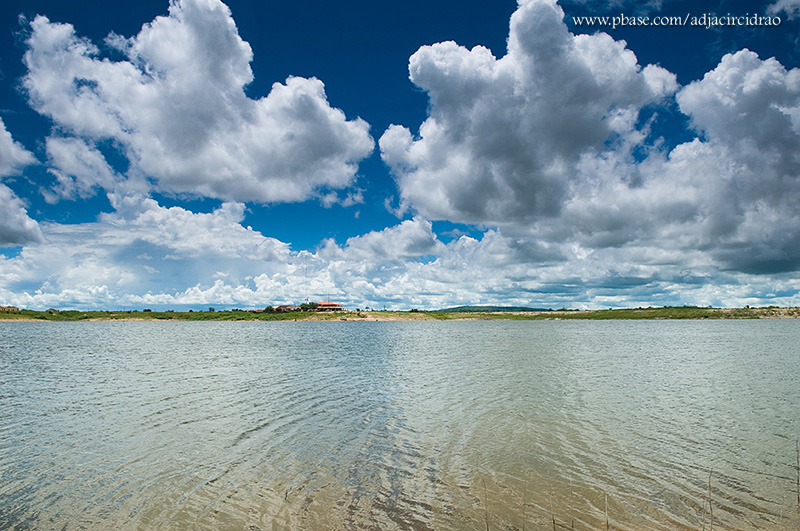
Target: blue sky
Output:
{"points": [[417, 154]]}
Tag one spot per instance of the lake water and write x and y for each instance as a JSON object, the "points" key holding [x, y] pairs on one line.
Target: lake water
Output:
{"points": [[406, 425]]}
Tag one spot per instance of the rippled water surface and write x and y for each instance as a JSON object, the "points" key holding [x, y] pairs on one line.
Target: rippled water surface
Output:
{"points": [[409, 425]]}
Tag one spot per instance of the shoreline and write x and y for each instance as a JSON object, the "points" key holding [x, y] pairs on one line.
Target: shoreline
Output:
{"points": [[663, 313]]}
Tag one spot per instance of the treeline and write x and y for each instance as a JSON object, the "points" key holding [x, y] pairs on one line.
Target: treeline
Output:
{"points": [[306, 312], [149, 315]]}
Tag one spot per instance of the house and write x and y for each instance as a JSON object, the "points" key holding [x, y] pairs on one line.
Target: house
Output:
{"points": [[9, 309], [329, 307], [286, 308]]}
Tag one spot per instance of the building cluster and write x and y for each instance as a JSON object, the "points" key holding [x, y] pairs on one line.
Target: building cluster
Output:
{"points": [[9, 309], [306, 307]]}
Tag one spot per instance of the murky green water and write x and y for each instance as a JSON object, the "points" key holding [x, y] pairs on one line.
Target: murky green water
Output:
{"points": [[410, 425]]}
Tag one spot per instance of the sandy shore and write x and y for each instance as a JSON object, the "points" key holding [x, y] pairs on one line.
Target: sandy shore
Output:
{"points": [[384, 316]]}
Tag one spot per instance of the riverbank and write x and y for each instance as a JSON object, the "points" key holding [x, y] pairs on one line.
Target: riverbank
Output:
{"points": [[678, 312]]}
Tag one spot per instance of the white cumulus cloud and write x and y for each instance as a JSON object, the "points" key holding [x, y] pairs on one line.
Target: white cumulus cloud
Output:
{"points": [[749, 110], [175, 107], [548, 144], [16, 227], [79, 168], [411, 239], [146, 255], [503, 136], [13, 156], [140, 249]]}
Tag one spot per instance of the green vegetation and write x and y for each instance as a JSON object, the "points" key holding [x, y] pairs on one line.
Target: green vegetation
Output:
{"points": [[149, 315], [493, 309], [666, 312], [462, 313]]}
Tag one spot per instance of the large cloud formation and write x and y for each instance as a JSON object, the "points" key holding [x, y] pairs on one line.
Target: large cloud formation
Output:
{"points": [[504, 137], [549, 144], [146, 255], [176, 108], [748, 169], [141, 253]]}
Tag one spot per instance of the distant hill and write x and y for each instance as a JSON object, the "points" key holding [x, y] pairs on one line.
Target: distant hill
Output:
{"points": [[493, 309]]}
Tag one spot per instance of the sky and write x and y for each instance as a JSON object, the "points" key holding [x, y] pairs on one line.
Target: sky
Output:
{"points": [[189, 154]]}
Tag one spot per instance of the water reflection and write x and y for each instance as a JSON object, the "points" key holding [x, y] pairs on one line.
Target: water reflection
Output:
{"points": [[506, 425]]}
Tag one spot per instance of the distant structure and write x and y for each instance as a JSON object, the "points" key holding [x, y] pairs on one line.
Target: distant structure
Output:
{"points": [[329, 307], [9, 309], [305, 307]]}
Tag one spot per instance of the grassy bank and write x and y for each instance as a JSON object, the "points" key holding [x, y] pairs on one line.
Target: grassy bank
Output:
{"points": [[677, 312]]}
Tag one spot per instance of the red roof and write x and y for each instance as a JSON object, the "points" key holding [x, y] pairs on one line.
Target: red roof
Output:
{"points": [[329, 306]]}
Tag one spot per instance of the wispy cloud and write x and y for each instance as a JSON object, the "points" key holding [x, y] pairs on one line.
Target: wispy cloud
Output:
{"points": [[790, 7]]}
